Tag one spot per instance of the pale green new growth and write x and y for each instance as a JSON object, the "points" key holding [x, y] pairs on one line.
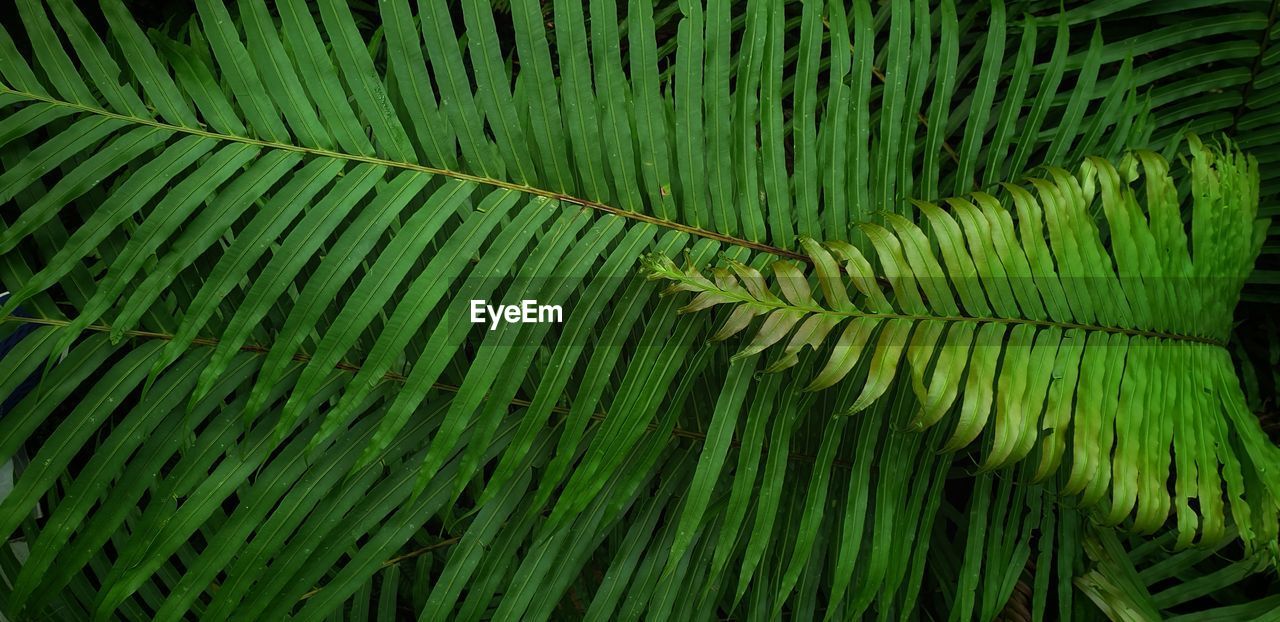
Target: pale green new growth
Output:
{"points": [[1067, 343]]}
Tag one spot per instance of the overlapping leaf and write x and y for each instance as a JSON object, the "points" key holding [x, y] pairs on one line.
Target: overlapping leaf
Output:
{"points": [[300, 187], [1108, 356]]}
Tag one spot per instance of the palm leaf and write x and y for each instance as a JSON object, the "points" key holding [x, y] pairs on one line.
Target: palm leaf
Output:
{"points": [[1079, 345], [278, 212], [1126, 582]]}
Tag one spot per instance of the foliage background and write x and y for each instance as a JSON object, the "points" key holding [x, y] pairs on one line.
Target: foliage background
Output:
{"points": [[210, 516]]}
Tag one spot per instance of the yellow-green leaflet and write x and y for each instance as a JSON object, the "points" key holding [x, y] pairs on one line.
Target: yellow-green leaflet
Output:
{"points": [[1081, 340]]}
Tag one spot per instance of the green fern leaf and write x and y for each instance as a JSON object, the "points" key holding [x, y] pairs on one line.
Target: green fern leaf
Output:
{"points": [[1112, 347]]}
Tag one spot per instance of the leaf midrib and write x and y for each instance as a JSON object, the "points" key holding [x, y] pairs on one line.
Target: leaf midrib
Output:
{"points": [[410, 166], [596, 205], [781, 305], [302, 357]]}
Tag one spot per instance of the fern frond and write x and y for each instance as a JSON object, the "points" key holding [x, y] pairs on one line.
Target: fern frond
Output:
{"points": [[278, 211], [1105, 351]]}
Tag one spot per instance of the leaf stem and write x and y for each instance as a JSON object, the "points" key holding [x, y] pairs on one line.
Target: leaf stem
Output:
{"points": [[410, 166], [743, 298], [676, 432]]}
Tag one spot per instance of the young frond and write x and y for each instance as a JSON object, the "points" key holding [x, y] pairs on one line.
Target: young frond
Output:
{"points": [[1106, 352]]}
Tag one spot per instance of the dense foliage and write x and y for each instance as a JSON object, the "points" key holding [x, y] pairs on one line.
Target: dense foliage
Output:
{"points": [[239, 378]]}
